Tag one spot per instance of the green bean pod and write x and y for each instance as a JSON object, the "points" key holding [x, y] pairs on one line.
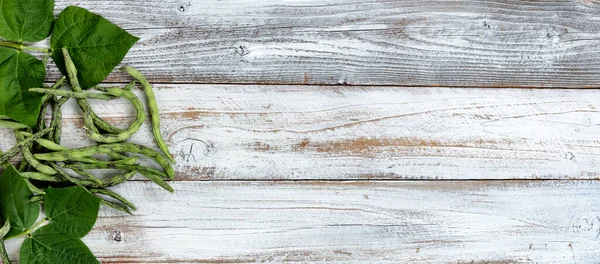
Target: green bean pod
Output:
{"points": [[83, 104], [153, 107], [70, 94], [87, 175], [12, 124], [115, 196], [27, 155], [119, 166], [116, 206], [38, 176], [20, 145], [56, 122], [109, 148], [133, 128]]}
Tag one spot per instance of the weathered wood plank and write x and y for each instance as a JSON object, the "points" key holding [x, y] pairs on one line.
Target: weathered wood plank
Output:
{"points": [[232, 132], [396, 222], [500, 43]]}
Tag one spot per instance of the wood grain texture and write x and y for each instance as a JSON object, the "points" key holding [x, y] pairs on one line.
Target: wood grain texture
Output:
{"points": [[393, 222], [500, 43], [235, 132]]}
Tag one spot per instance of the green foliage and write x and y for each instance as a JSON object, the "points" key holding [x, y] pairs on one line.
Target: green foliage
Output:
{"points": [[26, 20], [20, 71], [71, 214], [95, 44], [85, 48], [15, 203]]}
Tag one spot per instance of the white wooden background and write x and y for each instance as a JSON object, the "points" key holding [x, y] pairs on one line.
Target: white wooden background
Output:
{"points": [[361, 131]]}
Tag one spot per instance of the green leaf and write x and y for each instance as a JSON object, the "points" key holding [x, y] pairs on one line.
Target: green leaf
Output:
{"points": [[71, 211], [15, 204], [48, 246], [20, 71], [26, 20], [95, 44]]}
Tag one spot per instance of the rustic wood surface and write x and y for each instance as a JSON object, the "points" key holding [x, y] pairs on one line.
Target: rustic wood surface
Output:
{"points": [[361, 131], [365, 221], [500, 43]]}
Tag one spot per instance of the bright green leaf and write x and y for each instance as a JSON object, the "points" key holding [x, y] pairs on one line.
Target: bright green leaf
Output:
{"points": [[95, 44], [48, 246], [26, 20], [71, 211], [20, 71], [15, 204]]}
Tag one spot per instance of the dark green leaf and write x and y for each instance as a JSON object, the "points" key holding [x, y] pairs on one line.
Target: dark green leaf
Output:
{"points": [[26, 20], [15, 204], [20, 71], [95, 44], [71, 211], [48, 246]]}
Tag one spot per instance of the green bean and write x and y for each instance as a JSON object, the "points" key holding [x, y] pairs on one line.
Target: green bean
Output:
{"points": [[118, 179], [56, 123], [106, 149], [46, 100], [130, 86], [153, 177], [120, 166], [115, 206], [35, 190], [115, 196], [69, 178], [153, 107], [38, 176], [87, 175], [27, 155], [85, 106], [134, 127], [12, 124], [69, 94], [49, 144], [4, 117], [20, 145]]}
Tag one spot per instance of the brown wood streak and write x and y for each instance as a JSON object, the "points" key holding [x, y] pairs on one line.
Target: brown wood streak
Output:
{"points": [[500, 43]]}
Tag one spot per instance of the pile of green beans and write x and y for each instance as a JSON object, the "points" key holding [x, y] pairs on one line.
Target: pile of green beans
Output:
{"points": [[47, 163]]}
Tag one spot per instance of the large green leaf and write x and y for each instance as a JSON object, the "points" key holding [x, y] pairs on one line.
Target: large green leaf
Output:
{"points": [[71, 211], [15, 202], [48, 246], [20, 71], [95, 44], [26, 20]]}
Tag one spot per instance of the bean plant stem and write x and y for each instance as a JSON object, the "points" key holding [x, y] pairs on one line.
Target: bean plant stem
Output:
{"points": [[23, 47]]}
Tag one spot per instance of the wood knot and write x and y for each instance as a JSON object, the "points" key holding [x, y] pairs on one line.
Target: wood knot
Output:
{"points": [[586, 224], [116, 236], [242, 50]]}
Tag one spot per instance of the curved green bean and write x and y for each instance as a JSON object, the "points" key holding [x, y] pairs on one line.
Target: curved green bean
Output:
{"points": [[153, 107], [83, 104], [20, 145], [109, 148], [70, 94], [27, 155], [133, 128], [114, 205], [56, 122], [114, 195], [87, 175], [38, 176]]}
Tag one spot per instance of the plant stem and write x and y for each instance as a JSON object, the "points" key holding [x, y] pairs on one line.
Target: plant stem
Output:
{"points": [[23, 47], [33, 228], [3, 253]]}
